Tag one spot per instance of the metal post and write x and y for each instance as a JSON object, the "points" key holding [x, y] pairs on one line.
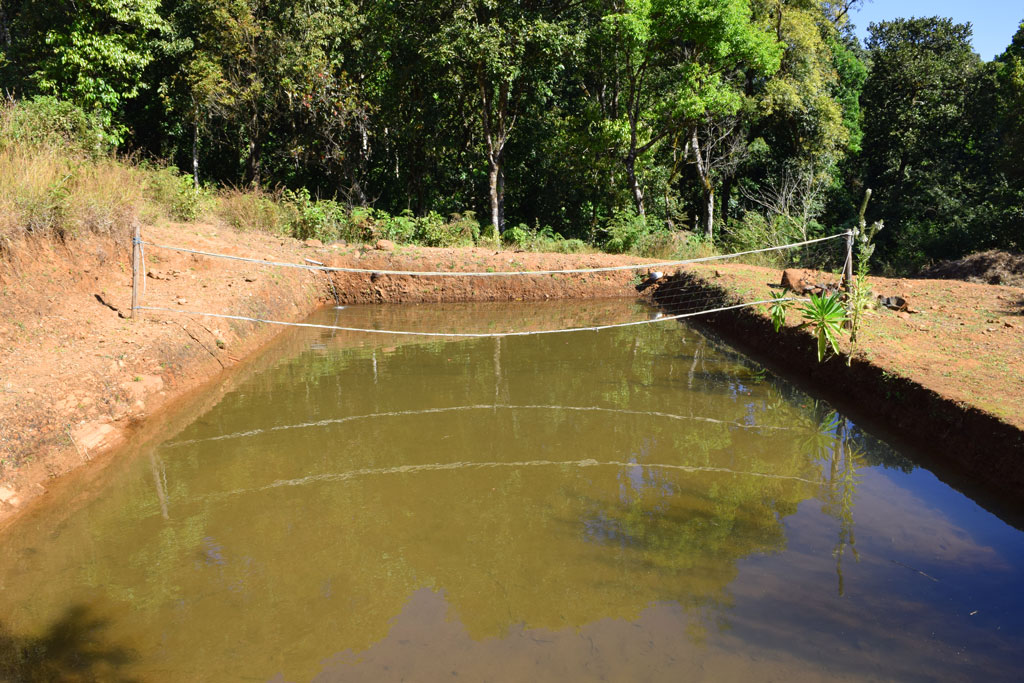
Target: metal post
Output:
{"points": [[849, 261], [136, 239]]}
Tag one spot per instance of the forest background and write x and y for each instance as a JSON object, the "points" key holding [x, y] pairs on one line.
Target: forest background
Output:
{"points": [[721, 124]]}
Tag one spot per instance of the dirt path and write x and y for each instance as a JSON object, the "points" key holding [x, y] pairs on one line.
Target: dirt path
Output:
{"points": [[77, 377]]}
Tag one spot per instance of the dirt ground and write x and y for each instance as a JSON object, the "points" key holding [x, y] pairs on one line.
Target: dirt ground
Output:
{"points": [[77, 377], [964, 341]]}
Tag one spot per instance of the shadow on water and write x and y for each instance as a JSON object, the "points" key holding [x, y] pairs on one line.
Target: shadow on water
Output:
{"points": [[71, 649]]}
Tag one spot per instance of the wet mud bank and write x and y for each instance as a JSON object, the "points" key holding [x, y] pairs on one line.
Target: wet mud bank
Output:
{"points": [[967, 448]]}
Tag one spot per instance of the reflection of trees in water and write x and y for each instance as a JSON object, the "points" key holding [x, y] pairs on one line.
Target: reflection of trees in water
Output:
{"points": [[71, 649], [831, 441], [546, 547]]}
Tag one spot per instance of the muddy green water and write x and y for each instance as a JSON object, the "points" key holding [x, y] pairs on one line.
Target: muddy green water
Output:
{"points": [[639, 504]]}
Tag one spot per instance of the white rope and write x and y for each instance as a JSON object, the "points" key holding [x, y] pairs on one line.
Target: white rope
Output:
{"points": [[471, 335], [454, 409], [429, 273], [440, 467]]}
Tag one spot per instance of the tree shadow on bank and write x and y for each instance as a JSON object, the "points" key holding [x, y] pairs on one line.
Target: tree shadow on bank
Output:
{"points": [[71, 649]]}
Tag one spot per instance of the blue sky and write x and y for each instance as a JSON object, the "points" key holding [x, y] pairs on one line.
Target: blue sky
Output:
{"points": [[994, 21]]}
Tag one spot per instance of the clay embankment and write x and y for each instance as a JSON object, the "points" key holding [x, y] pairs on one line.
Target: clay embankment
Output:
{"points": [[943, 380], [77, 378]]}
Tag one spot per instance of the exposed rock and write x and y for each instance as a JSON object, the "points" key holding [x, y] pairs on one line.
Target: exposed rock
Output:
{"points": [[384, 245], [8, 496], [94, 435], [797, 279], [313, 242]]}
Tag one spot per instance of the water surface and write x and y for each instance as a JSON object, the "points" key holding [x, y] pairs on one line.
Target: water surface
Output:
{"points": [[625, 505]]}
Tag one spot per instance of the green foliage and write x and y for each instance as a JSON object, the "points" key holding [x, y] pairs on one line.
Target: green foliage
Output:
{"points": [[851, 74], [92, 53], [542, 239], [754, 231], [517, 236], [778, 309], [825, 316], [51, 123], [433, 231], [758, 121], [625, 231], [179, 198], [918, 153], [324, 220]]}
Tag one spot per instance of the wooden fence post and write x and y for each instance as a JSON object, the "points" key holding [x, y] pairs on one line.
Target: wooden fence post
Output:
{"points": [[849, 261], [136, 247]]}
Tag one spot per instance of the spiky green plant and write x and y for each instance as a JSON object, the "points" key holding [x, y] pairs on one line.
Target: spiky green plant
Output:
{"points": [[779, 306], [825, 315]]}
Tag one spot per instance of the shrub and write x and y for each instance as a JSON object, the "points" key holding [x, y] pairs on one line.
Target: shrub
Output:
{"points": [[625, 230], [542, 239], [517, 236], [49, 123], [176, 195], [433, 231], [322, 219], [400, 228]]}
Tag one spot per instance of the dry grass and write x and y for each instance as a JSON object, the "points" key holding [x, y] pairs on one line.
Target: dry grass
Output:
{"points": [[50, 194], [253, 209]]}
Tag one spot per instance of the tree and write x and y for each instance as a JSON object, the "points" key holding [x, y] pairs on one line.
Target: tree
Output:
{"points": [[502, 55], [270, 78], [916, 144], [806, 116], [91, 53], [674, 66]]}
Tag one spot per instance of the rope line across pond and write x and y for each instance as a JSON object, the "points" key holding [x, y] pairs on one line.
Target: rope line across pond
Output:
{"points": [[684, 301], [473, 335], [508, 273]]}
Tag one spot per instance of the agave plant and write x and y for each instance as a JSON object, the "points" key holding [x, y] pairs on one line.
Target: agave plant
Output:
{"points": [[825, 315]]}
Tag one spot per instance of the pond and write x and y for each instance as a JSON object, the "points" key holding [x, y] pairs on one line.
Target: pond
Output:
{"points": [[634, 504]]}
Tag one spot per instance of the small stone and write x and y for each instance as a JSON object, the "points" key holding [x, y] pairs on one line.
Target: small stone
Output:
{"points": [[384, 245], [904, 315], [182, 302], [313, 242]]}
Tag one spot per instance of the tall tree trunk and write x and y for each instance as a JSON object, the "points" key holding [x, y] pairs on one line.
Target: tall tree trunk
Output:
{"points": [[496, 128], [253, 168], [704, 172], [195, 151], [634, 184], [727, 184], [709, 211], [496, 186]]}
